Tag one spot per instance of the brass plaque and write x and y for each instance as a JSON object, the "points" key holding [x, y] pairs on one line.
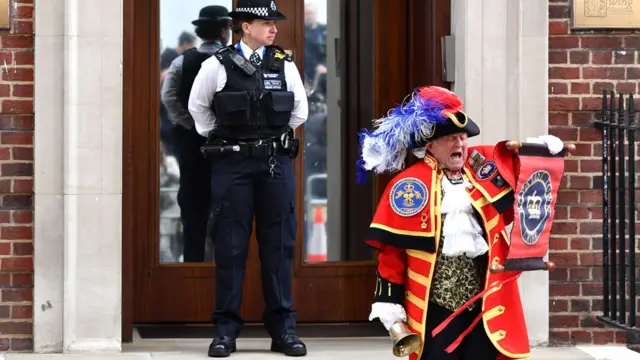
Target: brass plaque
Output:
{"points": [[607, 14], [5, 14]]}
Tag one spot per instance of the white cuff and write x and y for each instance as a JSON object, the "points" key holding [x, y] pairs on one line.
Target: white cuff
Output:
{"points": [[388, 313], [554, 144]]}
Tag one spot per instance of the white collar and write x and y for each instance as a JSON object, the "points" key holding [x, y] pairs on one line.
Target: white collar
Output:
{"points": [[246, 50]]}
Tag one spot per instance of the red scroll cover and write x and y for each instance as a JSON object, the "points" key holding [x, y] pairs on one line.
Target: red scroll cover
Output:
{"points": [[535, 175]]}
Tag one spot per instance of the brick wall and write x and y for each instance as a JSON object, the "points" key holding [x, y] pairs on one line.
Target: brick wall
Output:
{"points": [[581, 64], [16, 180]]}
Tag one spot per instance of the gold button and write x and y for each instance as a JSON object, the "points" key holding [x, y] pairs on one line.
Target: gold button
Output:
{"points": [[497, 237], [502, 333], [496, 260], [501, 308]]}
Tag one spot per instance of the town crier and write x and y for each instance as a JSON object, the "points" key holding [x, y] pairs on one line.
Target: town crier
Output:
{"points": [[440, 225]]}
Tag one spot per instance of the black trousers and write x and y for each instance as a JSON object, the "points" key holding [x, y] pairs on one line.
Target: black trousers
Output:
{"points": [[242, 186], [475, 346], [194, 192]]}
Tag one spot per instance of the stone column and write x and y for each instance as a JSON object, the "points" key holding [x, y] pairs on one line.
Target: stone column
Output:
{"points": [[78, 162], [501, 73]]}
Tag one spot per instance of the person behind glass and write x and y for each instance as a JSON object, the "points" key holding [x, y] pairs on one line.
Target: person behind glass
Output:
{"points": [[212, 26], [248, 99]]}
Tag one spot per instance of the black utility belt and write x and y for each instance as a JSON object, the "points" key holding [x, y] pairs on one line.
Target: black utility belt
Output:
{"points": [[264, 147]]}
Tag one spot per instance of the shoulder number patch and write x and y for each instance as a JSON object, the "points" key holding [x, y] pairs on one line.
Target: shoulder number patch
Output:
{"points": [[408, 197], [534, 206]]}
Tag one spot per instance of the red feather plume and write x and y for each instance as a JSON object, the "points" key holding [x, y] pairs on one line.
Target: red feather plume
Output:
{"points": [[446, 97]]}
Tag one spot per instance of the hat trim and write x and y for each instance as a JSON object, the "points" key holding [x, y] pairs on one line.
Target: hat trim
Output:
{"points": [[455, 120]]}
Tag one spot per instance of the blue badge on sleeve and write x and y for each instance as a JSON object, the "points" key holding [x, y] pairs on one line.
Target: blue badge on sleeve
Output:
{"points": [[408, 197], [487, 170], [534, 206]]}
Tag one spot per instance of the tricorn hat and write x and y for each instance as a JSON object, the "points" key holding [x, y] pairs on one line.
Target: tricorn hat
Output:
{"points": [[257, 9], [431, 113], [212, 14]]}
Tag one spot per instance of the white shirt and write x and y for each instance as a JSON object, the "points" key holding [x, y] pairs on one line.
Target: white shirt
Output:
{"points": [[212, 78]]}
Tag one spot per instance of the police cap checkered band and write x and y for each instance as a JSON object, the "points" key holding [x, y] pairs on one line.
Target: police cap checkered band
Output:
{"points": [[259, 11]]}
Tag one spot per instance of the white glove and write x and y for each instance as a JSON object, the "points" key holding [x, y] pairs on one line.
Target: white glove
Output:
{"points": [[554, 144], [388, 313]]}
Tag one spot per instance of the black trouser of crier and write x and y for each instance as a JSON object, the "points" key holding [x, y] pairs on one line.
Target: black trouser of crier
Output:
{"points": [[194, 192], [475, 346], [243, 186]]}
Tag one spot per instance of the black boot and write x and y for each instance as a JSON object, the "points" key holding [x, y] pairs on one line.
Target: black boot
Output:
{"points": [[222, 346], [290, 345]]}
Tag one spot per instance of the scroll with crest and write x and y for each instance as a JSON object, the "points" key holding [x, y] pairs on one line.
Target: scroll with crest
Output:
{"points": [[535, 175]]}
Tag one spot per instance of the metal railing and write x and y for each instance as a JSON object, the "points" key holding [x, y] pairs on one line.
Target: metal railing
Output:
{"points": [[619, 125]]}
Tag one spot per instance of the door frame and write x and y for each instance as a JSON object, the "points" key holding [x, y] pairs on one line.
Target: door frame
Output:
{"points": [[425, 22]]}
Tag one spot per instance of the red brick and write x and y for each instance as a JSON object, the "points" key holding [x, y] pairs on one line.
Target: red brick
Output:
{"points": [[629, 87], [601, 42], [22, 248], [556, 72], [21, 344], [22, 279], [16, 138], [16, 169], [564, 321], [16, 328], [598, 86], [592, 166], [592, 258], [22, 217], [24, 91], [558, 305], [566, 134], [564, 103], [624, 57], [582, 150], [589, 134], [17, 106], [559, 275], [580, 88], [22, 312], [558, 88], [633, 73], [603, 337], [563, 259], [632, 42], [556, 118], [579, 57], [6, 58], [581, 118], [602, 57], [580, 305], [558, 57], [579, 274], [23, 12], [22, 153], [579, 336], [17, 295], [17, 42], [559, 244], [558, 11], [23, 186], [558, 27], [17, 74], [24, 57], [23, 27], [16, 264], [5, 248], [608, 73], [578, 212], [592, 289], [567, 197], [16, 233], [561, 212], [564, 289]]}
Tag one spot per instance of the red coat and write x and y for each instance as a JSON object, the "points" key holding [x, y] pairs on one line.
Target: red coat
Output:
{"points": [[406, 227]]}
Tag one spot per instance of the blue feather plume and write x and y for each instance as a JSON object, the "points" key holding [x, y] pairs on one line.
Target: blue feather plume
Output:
{"points": [[404, 127]]}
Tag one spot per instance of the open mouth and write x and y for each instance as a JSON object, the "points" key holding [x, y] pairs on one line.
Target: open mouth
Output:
{"points": [[456, 156]]}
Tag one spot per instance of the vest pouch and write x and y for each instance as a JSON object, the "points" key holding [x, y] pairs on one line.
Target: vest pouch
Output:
{"points": [[278, 107], [232, 108]]}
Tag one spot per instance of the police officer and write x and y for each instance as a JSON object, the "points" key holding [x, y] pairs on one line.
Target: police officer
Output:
{"points": [[247, 99], [213, 27]]}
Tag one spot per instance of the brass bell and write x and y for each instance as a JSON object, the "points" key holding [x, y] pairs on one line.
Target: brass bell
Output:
{"points": [[404, 341]]}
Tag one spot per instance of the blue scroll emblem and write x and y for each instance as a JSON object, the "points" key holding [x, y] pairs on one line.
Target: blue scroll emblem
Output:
{"points": [[534, 206], [487, 170], [408, 197]]}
